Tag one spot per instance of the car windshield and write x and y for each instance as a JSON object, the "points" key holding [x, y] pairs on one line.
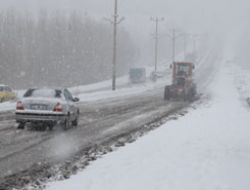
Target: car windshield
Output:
{"points": [[5, 89], [45, 93]]}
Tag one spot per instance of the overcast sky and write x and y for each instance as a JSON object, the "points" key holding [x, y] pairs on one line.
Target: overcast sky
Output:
{"points": [[182, 12], [191, 15]]}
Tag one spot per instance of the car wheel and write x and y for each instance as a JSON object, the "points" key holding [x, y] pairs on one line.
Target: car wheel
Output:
{"points": [[50, 126], [21, 126], [75, 122], [43, 127], [66, 124]]}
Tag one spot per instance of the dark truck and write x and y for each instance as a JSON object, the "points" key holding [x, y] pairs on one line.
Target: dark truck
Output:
{"points": [[248, 101], [137, 75]]}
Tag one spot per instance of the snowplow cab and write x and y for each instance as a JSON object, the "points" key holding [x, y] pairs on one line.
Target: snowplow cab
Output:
{"points": [[182, 70], [182, 86]]}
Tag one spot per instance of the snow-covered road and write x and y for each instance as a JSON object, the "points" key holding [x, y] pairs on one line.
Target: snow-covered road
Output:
{"points": [[208, 149]]}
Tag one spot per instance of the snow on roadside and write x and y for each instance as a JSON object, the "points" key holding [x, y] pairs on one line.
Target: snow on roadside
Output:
{"points": [[11, 105], [106, 85], [207, 149], [124, 91], [7, 106], [102, 90], [97, 86]]}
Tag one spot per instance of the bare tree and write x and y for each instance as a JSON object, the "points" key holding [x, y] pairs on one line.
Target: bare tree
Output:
{"points": [[58, 49]]}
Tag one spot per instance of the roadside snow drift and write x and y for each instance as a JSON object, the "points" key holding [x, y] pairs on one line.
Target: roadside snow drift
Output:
{"points": [[207, 149]]}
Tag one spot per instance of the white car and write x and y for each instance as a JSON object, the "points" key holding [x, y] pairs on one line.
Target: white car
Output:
{"points": [[46, 108]]}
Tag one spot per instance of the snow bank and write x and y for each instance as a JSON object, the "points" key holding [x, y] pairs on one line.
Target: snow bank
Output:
{"points": [[207, 149], [7, 106], [106, 85], [124, 91], [102, 90], [11, 105]]}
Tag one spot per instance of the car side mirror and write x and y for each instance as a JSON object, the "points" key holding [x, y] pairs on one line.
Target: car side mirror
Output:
{"points": [[193, 67], [76, 99], [171, 66]]}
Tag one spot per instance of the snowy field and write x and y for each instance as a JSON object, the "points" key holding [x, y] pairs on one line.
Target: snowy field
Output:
{"points": [[208, 149]]}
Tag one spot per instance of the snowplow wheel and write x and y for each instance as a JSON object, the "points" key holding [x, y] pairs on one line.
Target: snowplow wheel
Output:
{"points": [[167, 94], [66, 123], [194, 92], [43, 127], [75, 122], [191, 95]]}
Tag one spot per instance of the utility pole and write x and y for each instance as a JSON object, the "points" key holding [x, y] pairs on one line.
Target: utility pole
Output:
{"points": [[194, 43], [115, 21], [184, 46], [114, 47], [195, 37], [173, 44], [156, 36]]}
